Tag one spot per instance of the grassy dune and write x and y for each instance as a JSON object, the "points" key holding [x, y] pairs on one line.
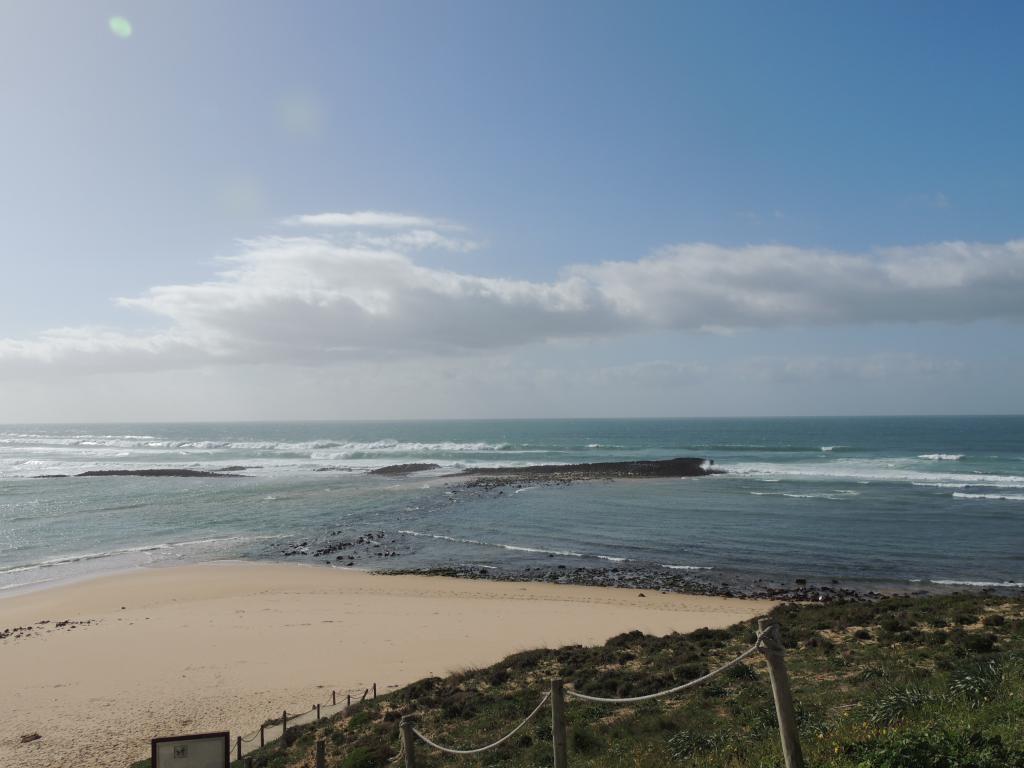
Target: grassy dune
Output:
{"points": [[935, 682]]}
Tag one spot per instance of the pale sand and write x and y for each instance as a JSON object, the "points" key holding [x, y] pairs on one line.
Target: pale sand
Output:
{"points": [[227, 646]]}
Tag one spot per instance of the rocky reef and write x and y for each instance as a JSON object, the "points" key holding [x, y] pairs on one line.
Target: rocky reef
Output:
{"points": [[403, 469]]}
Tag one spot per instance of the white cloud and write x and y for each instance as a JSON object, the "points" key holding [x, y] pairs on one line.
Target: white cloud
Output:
{"points": [[315, 301], [704, 286], [369, 219], [418, 240]]}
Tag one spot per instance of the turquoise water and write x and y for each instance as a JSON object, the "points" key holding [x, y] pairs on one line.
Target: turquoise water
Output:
{"points": [[867, 501]]}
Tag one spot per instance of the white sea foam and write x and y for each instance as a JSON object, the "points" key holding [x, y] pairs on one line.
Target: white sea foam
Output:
{"points": [[833, 496], [686, 567], [537, 550], [869, 470], [511, 547], [514, 547], [941, 456], [82, 557], [990, 496], [968, 583], [156, 443]]}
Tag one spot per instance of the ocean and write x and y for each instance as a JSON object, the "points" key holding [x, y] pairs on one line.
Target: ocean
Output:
{"points": [[896, 503]]}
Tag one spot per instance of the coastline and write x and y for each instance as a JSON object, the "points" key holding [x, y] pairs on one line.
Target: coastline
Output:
{"points": [[227, 645]]}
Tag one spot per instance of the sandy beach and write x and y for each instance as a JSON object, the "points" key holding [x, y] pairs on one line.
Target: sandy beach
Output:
{"points": [[227, 646]]}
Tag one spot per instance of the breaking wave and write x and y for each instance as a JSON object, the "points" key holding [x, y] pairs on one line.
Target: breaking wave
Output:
{"points": [[870, 470]]}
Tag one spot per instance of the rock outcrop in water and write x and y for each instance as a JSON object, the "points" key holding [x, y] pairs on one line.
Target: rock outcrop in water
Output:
{"points": [[154, 473], [600, 470], [403, 469]]}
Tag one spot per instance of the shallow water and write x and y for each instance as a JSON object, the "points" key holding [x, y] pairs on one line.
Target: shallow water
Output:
{"points": [[868, 501]]}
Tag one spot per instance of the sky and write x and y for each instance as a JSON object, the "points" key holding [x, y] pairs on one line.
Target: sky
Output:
{"points": [[339, 210]]}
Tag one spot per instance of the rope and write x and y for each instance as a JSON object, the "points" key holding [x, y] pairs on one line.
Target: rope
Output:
{"points": [[492, 745], [600, 700], [401, 751]]}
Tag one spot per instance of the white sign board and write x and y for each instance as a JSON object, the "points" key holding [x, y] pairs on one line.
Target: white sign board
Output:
{"points": [[204, 750]]}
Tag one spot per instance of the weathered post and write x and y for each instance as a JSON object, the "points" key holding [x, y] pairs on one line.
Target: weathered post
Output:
{"points": [[774, 653], [334, 698], [375, 690], [284, 728], [408, 742], [238, 742], [321, 753], [558, 723], [317, 711], [348, 703], [263, 742]]}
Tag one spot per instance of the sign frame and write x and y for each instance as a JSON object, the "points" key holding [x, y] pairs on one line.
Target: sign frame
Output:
{"points": [[225, 735]]}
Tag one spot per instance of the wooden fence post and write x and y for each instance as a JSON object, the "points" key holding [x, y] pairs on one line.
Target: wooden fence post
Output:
{"points": [[774, 653], [317, 711], [262, 740], [321, 753], [375, 690], [284, 728], [238, 742], [558, 724], [334, 698], [349, 700], [408, 742]]}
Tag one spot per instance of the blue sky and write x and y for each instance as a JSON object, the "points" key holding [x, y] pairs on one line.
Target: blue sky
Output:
{"points": [[595, 177]]}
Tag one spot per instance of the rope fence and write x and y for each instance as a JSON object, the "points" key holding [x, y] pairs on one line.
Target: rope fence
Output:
{"points": [[678, 689], [767, 641], [275, 730], [493, 744]]}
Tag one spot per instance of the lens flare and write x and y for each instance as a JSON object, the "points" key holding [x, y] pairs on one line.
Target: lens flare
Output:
{"points": [[120, 26]]}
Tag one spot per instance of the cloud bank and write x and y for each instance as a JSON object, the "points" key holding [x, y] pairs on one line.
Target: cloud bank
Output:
{"points": [[321, 299]]}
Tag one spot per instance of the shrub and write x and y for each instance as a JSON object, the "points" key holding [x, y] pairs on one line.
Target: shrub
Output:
{"points": [[940, 750], [978, 682], [360, 757], [895, 703], [583, 740]]}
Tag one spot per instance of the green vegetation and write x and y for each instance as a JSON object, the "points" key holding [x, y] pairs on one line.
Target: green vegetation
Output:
{"points": [[935, 682]]}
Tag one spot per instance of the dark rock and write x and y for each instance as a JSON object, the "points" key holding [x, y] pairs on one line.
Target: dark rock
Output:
{"points": [[403, 469], [153, 473], [563, 474]]}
